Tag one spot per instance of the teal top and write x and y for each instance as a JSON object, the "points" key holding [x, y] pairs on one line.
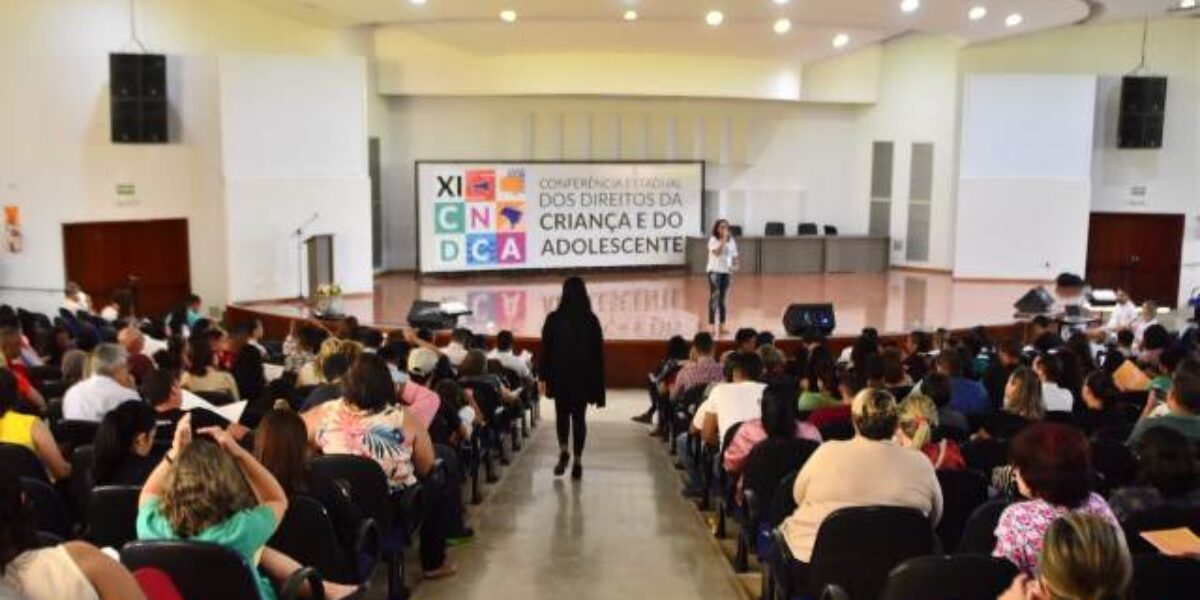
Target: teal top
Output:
{"points": [[1188, 425], [245, 532], [810, 401]]}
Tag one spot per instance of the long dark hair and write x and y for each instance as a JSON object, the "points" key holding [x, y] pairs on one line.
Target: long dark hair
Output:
{"points": [[575, 300], [200, 355], [18, 524], [8, 391], [716, 228], [280, 444], [115, 436]]}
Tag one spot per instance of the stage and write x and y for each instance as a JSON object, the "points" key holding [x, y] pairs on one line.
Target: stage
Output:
{"points": [[641, 310]]}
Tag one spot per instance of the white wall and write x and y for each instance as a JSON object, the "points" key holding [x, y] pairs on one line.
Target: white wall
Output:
{"points": [[765, 160], [56, 161], [294, 135], [1171, 175]]}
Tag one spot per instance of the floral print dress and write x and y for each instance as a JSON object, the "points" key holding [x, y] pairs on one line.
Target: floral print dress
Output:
{"points": [[1023, 525], [344, 429]]}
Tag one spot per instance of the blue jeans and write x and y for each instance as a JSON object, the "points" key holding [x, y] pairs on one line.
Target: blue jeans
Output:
{"points": [[688, 460], [718, 289]]}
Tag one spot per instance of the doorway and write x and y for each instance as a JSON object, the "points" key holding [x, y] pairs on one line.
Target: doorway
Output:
{"points": [[1139, 253], [148, 257]]}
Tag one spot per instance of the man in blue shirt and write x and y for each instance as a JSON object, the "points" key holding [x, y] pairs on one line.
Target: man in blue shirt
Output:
{"points": [[967, 396]]}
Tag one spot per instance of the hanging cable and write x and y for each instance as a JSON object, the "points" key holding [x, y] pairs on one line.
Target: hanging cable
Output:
{"points": [[1141, 68], [133, 35]]}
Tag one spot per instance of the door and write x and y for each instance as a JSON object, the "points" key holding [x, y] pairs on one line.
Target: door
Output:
{"points": [[1139, 253], [150, 257]]}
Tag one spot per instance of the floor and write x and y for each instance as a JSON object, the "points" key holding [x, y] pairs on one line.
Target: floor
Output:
{"points": [[623, 532], [656, 305]]}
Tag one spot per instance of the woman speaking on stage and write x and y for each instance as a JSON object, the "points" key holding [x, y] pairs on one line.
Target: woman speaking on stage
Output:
{"points": [[722, 261], [572, 369]]}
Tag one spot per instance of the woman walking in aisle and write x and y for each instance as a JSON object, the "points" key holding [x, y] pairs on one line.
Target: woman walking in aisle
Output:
{"points": [[572, 369], [722, 262]]}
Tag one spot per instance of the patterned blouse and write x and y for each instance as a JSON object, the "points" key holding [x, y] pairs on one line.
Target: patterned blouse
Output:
{"points": [[344, 429], [1023, 526]]}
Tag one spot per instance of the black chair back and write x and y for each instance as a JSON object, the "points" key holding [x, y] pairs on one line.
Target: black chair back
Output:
{"points": [[774, 229], [964, 577], [1160, 577], [807, 229], [735, 230], [72, 433], [1157, 519], [768, 467], [962, 493], [198, 569], [1114, 462], [83, 476], [857, 547], [112, 515], [306, 534], [22, 462], [985, 454], [831, 230], [51, 511], [979, 536], [365, 482]]}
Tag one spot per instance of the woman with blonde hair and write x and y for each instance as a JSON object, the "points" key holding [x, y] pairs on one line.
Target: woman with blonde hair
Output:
{"points": [[213, 490], [311, 373], [917, 429], [1083, 558], [1023, 405]]}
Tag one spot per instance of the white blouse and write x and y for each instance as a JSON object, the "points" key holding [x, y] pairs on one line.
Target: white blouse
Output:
{"points": [[721, 262], [48, 574]]}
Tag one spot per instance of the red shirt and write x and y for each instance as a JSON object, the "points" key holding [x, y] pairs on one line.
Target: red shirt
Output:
{"points": [[947, 452], [831, 414], [21, 374]]}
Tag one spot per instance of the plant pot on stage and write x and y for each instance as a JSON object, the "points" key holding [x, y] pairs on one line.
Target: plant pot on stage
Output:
{"points": [[328, 302]]}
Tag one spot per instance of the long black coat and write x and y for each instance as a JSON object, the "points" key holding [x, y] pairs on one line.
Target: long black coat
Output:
{"points": [[572, 362]]}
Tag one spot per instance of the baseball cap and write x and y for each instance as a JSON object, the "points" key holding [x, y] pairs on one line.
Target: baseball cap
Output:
{"points": [[422, 361]]}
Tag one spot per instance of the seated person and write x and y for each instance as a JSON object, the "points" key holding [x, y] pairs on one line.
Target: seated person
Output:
{"points": [[202, 375], [995, 375], [1168, 475], [281, 445], [310, 373], [300, 348], [821, 383], [163, 394], [1022, 406], [774, 370], [1084, 558], [731, 403], [1053, 469], [1101, 401], [473, 369], [68, 571], [851, 381], [778, 422], [28, 431], [745, 340], [967, 395], [333, 372], [455, 418], [883, 474], [366, 422], [110, 385], [75, 300], [702, 370], [134, 341], [1183, 405], [918, 348], [895, 378], [461, 340], [937, 388], [124, 446], [1049, 369], [508, 358], [918, 419], [11, 343], [660, 380]]}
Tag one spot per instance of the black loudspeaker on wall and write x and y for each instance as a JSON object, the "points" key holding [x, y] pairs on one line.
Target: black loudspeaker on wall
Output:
{"points": [[138, 98], [1143, 112], [799, 318]]}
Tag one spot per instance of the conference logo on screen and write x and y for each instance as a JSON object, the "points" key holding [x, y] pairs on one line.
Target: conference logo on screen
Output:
{"points": [[479, 217]]}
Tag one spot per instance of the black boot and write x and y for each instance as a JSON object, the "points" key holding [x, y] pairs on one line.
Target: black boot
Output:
{"points": [[577, 470], [563, 460]]}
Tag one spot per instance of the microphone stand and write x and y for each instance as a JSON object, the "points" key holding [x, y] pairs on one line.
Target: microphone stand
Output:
{"points": [[299, 234]]}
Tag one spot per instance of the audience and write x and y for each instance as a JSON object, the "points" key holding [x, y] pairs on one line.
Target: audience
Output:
{"points": [[67, 571], [734, 402], [124, 445], [333, 372], [14, 361], [822, 383], [660, 382], [75, 300], [1049, 368], [996, 374], [967, 396], [110, 385], [1053, 470], [134, 342], [1101, 400], [937, 387], [1183, 405], [365, 422], [883, 474], [778, 422], [28, 431], [1022, 406], [202, 375], [917, 424], [1168, 475], [162, 392], [508, 358], [703, 369], [210, 489], [461, 341]]}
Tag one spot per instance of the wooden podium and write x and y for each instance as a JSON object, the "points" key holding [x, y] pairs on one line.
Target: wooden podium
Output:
{"points": [[320, 261]]}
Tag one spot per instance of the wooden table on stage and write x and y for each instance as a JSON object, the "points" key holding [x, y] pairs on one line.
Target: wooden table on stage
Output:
{"points": [[806, 254]]}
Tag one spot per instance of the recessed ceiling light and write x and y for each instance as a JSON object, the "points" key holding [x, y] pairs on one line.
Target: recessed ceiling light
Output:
{"points": [[1013, 20], [977, 13], [782, 26], [840, 40], [714, 18], [910, 5], [786, 1], [417, 1], [508, 16], [630, 15], [1186, 4]]}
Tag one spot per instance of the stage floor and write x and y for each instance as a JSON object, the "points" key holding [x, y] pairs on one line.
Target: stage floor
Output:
{"points": [[657, 305]]}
